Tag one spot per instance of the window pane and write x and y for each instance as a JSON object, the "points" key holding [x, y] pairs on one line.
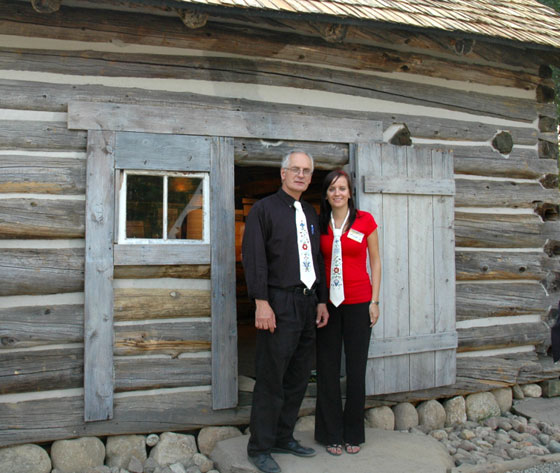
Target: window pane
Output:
{"points": [[184, 208], [144, 206]]}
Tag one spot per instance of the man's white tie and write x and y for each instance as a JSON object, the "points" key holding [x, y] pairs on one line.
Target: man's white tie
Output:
{"points": [[336, 289], [306, 269]]}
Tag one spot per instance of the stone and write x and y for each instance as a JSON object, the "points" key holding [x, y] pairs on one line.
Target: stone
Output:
{"points": [[245, 384], [150, 465], [517, 392], [554, 446], [381, 418], [536, 450], [439, 434], [431, 414], [518, 426], [406, 416], [27, 458], [531, 390], [492, 423], [504, 398], [152, 440], [177, 468], [77, 455], [504, 424], [99, 469], [174, 448], [550, 388], [515, 453], [193, 469], [208, 437], [467, 434], [122, 448], [467, 445], [480, 406], [305, 424], [455, 411], [203, 463], [135, 465]]}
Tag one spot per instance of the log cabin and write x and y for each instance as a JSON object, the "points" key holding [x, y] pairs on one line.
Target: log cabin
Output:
{"points": [[136, 134]]}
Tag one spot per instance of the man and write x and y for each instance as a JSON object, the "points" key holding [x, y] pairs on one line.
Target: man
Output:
{"points": [[280, 251]]}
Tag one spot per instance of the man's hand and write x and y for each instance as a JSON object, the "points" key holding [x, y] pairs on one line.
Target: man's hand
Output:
{"points": [[264, 316], [322, 315]]}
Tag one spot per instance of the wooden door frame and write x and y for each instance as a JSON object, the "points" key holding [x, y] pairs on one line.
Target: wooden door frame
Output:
{"points": [[110, 118]]}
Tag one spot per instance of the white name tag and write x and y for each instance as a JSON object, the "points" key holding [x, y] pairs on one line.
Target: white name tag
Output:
{"points": [[355, 235]]}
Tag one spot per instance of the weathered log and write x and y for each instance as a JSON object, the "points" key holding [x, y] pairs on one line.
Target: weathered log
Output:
{"points": [[38, 218], [161, 372], [42, 175], [153, 337], [513, 168], [183, 271], [489, 265], [500, 299], [91, 25], [481, 193], [41, 370], [461, 151], [31, 135], [502, 336], [139, 304], [55, 97], [24, 327], [193, 18], [41, 271], [487, 373], [270, 73], [487, 230]]}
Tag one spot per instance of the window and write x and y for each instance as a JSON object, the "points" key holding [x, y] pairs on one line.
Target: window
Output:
{"points": [[163, 207]]}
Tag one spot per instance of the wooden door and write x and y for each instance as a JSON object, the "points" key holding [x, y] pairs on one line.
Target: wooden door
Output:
{"points": [[410, 192]]}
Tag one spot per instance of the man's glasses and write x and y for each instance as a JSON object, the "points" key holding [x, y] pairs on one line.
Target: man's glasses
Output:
{"points": [[306, 171]]}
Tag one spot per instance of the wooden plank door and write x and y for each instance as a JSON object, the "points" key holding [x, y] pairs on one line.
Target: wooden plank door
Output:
{"points": [[410, 192]]}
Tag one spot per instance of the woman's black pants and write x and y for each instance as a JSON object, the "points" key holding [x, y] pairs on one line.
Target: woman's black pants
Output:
{"points": [[335, 424]]}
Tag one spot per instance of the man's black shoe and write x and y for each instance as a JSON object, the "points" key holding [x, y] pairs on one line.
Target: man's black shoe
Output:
{"points": [[265, 463], [294, 448]]}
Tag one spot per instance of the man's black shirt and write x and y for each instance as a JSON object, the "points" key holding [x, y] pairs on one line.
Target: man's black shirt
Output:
{"points": [[270, 250]]}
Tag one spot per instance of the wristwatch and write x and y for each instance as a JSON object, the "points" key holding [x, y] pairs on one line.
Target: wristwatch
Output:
{"points": [[375, 302]]}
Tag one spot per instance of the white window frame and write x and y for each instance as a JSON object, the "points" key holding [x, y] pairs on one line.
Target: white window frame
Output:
{"points": [[122, 239]]}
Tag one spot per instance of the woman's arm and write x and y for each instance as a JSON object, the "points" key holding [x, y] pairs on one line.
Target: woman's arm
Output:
{"points": [[375, 266]]}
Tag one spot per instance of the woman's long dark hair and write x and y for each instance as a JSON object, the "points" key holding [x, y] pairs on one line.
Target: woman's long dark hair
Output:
{"points": [[325, 215]]}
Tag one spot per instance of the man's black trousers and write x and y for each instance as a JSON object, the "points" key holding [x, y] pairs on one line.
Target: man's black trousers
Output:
{"points": [[283, 363]]}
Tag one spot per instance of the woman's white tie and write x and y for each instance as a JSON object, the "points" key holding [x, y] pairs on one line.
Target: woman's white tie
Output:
{"points": [[306, 268], [336, 290]]}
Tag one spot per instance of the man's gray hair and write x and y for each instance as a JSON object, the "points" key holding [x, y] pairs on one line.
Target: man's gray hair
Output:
{"points": [[286, 159]]}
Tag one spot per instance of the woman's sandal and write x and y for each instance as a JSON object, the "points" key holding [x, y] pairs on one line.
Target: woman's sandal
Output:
{"points": [[334, 449], [351, 449]]}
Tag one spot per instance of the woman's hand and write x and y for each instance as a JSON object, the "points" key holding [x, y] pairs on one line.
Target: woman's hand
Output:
{"points": [[373, 313]]}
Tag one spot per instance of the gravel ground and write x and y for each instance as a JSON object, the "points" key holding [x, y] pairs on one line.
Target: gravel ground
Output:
{"points": [[553, 467]]}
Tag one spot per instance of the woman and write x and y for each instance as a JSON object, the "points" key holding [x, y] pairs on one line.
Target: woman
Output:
{"points": [[353, 309]]}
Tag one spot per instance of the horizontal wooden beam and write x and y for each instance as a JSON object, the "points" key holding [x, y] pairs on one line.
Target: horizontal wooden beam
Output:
{"points": [[503, 336], [500, 299], [383, 347], [149, 303], [128, 254], [156, 337], [188, 121], [411, 185], [149, 151]]}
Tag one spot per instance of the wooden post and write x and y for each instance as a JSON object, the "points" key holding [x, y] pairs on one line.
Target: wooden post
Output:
{"points": [[98, 309]]}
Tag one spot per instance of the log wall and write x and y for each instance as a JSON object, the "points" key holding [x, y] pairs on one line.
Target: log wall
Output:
{"points": [[506, 220]]}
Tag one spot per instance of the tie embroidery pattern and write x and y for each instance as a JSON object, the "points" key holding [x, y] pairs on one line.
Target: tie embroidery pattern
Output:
{"points": [[306, 269], [336, 289]]}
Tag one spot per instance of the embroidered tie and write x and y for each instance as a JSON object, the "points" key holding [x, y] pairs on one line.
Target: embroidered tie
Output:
{"points": [[306, 269], [336, 290]]}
